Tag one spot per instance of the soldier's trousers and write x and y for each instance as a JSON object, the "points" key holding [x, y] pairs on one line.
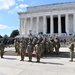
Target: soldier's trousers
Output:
{"points": [[18, 51], [57, 50], [22, 54], [51, 50], [15, 49], [2, 52], [38, 56], [30, 55], [42, 52], [71, 55]]}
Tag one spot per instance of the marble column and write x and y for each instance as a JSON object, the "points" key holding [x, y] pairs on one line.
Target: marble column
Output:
{"points": [[24, 25], [31, 23], [59, 25], [37, 25], [44, 25], [20, 26], [51, 28], [20, 31], [23, 29], [74, 23], [67, 25]]}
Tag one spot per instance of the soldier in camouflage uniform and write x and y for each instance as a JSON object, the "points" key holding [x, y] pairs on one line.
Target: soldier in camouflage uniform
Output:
{"points": [[15, 41], [34, 41], [71, 47], [17, 47], [57, 45], [51, 43], [30, 50], [2, 49], [44, 45], [38, 51], [42, 48], [47, 47], [23, 46]]}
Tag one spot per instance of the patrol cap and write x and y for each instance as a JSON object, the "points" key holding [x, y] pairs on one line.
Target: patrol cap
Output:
{"points": [[29, 43], [21, 40], [38, 42], [22, 37], [70, 42], [51, 39]]}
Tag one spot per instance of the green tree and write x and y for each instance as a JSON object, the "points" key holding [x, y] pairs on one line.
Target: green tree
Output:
{"points": [[0, 36], [14, 33], [5, 36]]}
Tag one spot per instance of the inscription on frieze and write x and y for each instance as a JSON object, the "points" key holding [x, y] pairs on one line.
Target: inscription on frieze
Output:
{"points": [[57, 6]]}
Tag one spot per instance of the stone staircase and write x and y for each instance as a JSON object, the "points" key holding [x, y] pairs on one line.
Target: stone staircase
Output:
{"points": [[68, 38]]}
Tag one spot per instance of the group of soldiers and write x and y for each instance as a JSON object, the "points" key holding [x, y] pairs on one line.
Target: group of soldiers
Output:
{"points": [[41, 45]]}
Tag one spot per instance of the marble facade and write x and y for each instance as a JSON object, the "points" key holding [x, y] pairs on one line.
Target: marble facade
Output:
{"points": [[58, 18]]}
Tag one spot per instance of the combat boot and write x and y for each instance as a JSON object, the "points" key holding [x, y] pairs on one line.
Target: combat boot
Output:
{"points": [[70, 60]]}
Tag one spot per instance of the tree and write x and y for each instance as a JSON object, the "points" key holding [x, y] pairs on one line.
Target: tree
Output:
{"points": [[5, 36], [14, 33], [0, 36]]}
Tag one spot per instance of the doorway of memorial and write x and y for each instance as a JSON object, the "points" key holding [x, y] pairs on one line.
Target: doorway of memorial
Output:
{"points": [[55, 21], [63, 24], [48, 25]]}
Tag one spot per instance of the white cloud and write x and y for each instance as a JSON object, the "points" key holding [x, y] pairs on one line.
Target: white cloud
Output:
{"points": [[5, 27], [11, 11], [21, 0], [18, 8], [23, 5], [5, 4]]}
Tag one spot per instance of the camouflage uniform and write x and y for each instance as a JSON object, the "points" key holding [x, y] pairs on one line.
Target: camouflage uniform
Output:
{"points": [[51, 46], [57, 45], [44, 45], [17, 47], [71, 47], [2, 49], [42, 48], [34, 41], [47, 47], [30, 50], [15, 43], [23, 47], [38, 51]]}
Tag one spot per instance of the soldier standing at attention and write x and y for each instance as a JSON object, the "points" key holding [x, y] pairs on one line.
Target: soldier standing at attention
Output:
{"points": [[44, 45], [42, 48], [30, 50], [15, 41], [47, 47], [17, 47], [51, 46], [23, 47], [2, 49], [71, 47], [38, 51], [57, 45]]}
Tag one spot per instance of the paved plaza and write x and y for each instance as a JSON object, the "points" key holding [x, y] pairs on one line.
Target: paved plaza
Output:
{"points": [[49, 65]]}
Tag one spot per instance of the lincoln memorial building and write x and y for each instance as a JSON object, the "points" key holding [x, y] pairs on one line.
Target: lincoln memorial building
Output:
{"points": [[58, 18]]}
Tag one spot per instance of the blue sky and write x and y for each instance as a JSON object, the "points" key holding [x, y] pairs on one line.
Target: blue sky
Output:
{"points": [[9, 19]]}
